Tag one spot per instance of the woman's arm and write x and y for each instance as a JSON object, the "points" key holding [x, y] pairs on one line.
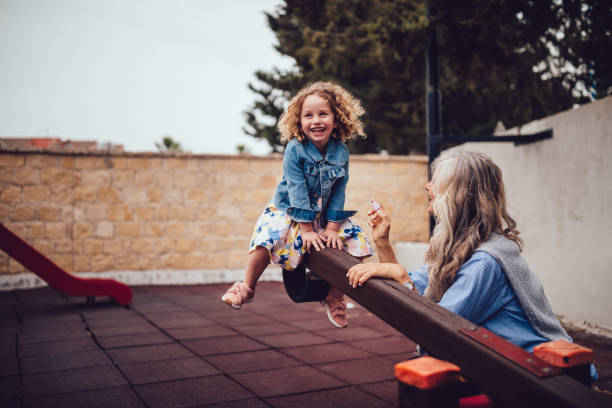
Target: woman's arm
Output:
{"points": [[385, 252], [381, 227], [389, 267], [360, 273]]}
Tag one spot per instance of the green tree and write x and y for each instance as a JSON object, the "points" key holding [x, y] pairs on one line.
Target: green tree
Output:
{"points": [[168, 145], [512, 60]]}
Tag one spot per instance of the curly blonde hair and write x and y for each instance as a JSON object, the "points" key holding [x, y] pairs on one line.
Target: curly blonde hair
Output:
{"points": [[345, 107]]}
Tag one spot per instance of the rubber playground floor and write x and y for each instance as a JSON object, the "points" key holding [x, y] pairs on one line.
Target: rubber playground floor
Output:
{"points": [[180, 346]]}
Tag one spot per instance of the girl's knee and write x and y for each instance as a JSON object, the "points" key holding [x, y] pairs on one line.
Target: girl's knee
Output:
{"points": [[261, 252]]}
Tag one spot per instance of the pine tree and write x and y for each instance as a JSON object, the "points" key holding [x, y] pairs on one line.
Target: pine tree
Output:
{"points": [[511, 61]]}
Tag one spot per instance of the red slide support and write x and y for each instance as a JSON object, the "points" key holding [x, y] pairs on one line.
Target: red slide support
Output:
{"points": [[58, 278]]}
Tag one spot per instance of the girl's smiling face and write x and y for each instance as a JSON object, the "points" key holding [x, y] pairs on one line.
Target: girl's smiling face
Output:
{"points": [[317, 121]]}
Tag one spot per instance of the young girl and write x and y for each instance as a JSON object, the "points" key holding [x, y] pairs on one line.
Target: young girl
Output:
{"points": [[307, 210]]}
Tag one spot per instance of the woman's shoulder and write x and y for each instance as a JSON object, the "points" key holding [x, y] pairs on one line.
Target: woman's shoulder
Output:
{"points": [[482, 262], [481, 271]]}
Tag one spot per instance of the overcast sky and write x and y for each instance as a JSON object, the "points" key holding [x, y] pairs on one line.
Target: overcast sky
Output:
{"points": [[132, 71]]}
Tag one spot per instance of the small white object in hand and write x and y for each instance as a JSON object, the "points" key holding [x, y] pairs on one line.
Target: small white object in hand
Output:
{"points": [[375, 205]]}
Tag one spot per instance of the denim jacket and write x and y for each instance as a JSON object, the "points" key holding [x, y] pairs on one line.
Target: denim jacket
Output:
{"points": [[313, 184]]}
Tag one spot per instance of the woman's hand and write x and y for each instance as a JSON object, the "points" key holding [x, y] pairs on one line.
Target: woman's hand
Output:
{"points": [[311, 239], [331, 237], [380, 223], [360, 273]]}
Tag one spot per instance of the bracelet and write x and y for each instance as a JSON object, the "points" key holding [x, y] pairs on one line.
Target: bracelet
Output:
{"points": [[409, 285]]}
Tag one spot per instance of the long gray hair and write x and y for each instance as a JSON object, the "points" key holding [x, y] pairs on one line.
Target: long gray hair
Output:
{"points": [[469, 205]]}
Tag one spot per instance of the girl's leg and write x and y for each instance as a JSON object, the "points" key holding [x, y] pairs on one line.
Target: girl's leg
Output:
{"points": [[243, 292], [257, 262]]}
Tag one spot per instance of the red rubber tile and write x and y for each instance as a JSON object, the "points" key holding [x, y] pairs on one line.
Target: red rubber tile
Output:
{"points": [[111, 397], [250, 403], [292, 339], [152, 307], [148, 353], [8, 351], [50, 325], [188, 319], [371, 321], [181, 323], [315, 325], [352, 333], [46, 336], [40, 315], [386, 390], [127, 321], [134, 330], [64, 361], [269, 328], [200, 332], [241, 318], [251, 361], [192, 392], [326, 353], [8, 339], [348, 397], [271, 305], [9, 388], [9, 366], [106, 311], [54, 347], [7, 299], [128, 340], [58, 382], [167, 370], [290, 315], [386, 345], [399, 357], [367, 370], [221, 345], [285, 381], [161, 315]]}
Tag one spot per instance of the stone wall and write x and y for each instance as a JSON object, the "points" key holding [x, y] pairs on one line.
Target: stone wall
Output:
{"points": [[141, 212]]}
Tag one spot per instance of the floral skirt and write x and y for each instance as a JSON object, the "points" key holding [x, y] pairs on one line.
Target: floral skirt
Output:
{"points": [[281, 236]]}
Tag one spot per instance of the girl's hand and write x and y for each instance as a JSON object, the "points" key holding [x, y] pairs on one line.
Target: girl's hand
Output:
{"points": [[332, 238], [311, 239], [380, 222], [360, 273]]}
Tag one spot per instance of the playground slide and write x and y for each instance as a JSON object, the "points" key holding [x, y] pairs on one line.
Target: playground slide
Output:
{"points": [[58, 278]]}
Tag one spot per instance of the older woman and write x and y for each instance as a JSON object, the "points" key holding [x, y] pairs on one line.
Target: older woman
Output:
{"points": [[473, 265]]}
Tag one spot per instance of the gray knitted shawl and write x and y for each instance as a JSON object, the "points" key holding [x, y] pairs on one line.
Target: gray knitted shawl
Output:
{"points": [[526, 285]]}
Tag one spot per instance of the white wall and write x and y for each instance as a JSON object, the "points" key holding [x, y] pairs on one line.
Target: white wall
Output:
{"points": [[411, 255], [560, 194]]}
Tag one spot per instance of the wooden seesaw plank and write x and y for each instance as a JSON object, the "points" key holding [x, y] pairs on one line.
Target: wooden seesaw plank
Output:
{"points": [[442, 334]]}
